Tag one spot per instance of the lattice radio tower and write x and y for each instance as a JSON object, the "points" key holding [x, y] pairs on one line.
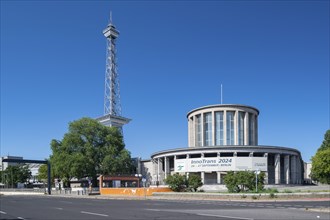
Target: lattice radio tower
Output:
{"points": [[112, 103], [112, 106]]}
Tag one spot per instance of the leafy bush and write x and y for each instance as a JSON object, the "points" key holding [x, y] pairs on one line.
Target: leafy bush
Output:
{"points": [[179, 183], [176, 182], [243, 181], [194, 181], [254, 197]]}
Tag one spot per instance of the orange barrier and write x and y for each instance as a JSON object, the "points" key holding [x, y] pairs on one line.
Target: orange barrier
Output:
{"points": [[133, 191], [130, 191]]}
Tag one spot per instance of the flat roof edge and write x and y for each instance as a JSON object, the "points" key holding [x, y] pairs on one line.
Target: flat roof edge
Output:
{"points": [[222, 105], [224, 148]]}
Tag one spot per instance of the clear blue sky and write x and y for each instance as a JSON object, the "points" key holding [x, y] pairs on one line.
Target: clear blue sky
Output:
{"points": [[172, 57]]}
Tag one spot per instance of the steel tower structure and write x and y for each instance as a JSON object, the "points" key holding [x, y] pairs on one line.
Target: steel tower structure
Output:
{"points": [[112, 106], [112, 103]]}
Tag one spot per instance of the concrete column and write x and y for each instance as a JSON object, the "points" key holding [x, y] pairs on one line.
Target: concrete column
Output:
{"points": [[293, 168], [194, 132], [202, 173], [213, 128], [165, 167], [246, 129], [266, 181], [218, 177], [158, 171], [224, 127], [203, 177], [256, 130], [203, 129], [236, 127], [287, 169], [252, 121], [187, 173], [277, 164], [299, 170], [189, 132]]}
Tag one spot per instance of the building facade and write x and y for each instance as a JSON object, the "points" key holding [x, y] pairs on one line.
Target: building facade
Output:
{"points": [[224, 138]]}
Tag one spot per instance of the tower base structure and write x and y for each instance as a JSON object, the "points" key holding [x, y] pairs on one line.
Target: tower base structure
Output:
{"points": [[113, 121]]}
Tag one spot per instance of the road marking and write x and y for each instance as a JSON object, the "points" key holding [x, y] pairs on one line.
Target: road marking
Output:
{"points": [[156, 210], [66, 202], [224, 216], [92, 213], [58, 208], [208, 215], [20, 218], [1, 212]]}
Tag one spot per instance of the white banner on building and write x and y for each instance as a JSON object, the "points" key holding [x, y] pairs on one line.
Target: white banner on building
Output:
{"points": [[210, 164]]}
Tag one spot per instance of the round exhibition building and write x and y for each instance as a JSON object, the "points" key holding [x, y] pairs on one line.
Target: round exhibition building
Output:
{"points": [[224, 138]]}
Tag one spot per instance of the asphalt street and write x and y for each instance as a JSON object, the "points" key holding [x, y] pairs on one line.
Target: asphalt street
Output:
{"points": [[51, 207]]}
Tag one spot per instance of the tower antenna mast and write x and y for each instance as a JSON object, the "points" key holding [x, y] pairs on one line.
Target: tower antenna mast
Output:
{"points": [[110, 17], [112, 103], [221, 95], [112, 107]]}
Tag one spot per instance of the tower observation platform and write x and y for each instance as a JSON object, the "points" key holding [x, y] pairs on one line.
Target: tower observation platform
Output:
{"points": [[112, 107]]}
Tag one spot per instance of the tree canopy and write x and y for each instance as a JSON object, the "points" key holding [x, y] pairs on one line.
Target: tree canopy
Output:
{"points": [[326, 142], [43, 172], [321, 161], [89, 149], [15, 174]]}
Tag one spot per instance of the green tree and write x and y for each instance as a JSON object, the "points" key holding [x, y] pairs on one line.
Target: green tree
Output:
{"points": [[176, 182], [321, 161], [15, 174], [43, 173], [194, 181], [326, 142], [89, 149]]}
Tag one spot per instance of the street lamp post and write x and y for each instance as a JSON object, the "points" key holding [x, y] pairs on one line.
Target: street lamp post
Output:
{"points": [[257, 172]]}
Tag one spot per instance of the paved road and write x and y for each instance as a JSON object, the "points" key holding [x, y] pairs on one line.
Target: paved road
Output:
{"points": [[48, 207]]}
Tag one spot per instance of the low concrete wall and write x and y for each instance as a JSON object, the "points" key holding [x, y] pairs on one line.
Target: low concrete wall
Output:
{"points": [[134, 191], [233, 196], [20, 193]]}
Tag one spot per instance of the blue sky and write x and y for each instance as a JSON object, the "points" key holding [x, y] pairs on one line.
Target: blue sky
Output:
{"points": [[172, 57]]}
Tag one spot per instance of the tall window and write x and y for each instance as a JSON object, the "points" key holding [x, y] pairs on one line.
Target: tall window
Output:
{"points": [[219, 128], [230, 128], [251, 129], [208, 129], [198, 130], [241, 128]]}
